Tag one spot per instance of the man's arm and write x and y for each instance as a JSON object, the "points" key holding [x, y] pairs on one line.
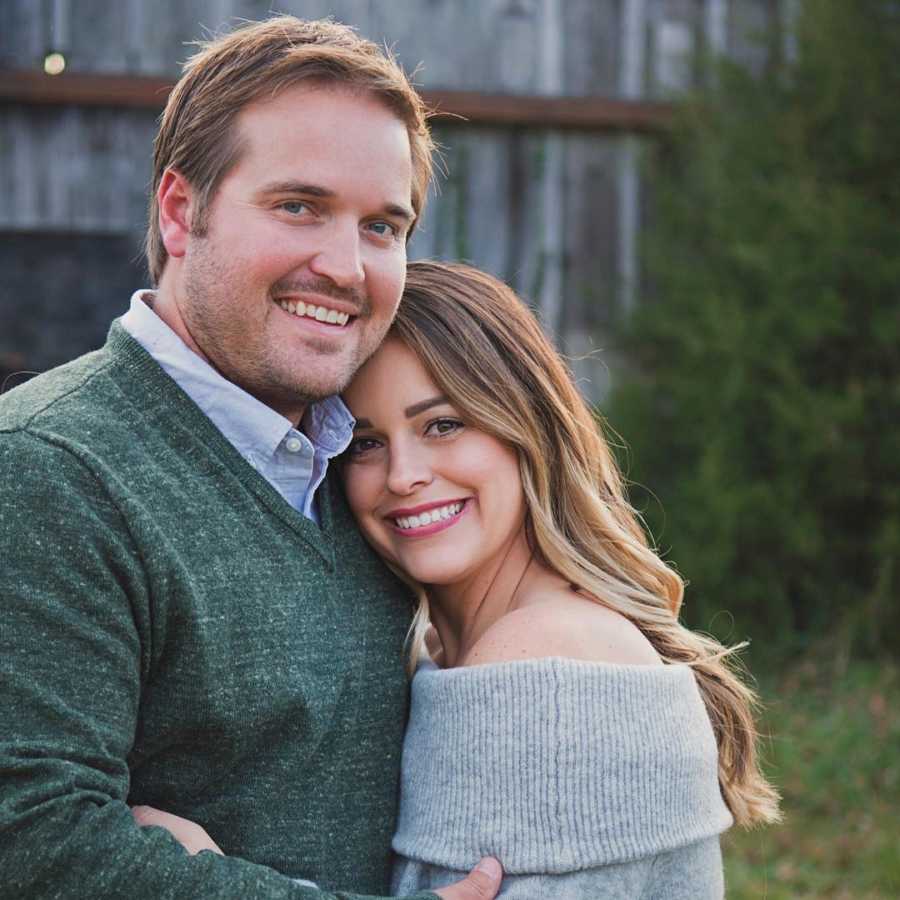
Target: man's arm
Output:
{"points": [[73, 652], [481, 884]]}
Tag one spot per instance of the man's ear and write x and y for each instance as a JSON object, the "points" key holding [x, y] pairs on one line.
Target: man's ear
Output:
{"points": [[175, 200]]}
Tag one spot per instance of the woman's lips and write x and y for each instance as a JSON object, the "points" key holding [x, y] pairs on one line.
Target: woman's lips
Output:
{"points": [[429, 520]]}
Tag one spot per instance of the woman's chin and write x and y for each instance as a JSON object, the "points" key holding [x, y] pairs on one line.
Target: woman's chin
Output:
{"points": [[431, 574]]}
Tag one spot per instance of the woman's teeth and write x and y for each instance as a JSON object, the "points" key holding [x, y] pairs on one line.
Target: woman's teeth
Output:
{"points": [[319, 313], [429, 517]]}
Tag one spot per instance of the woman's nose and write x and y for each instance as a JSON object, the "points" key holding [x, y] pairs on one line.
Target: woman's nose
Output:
{"points": [[408, 472]]}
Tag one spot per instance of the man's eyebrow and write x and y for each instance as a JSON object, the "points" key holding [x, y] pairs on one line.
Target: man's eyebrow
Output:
{"points": [[295, 187], [362, 423], [395, 210], [420, 407], [400, 212]]}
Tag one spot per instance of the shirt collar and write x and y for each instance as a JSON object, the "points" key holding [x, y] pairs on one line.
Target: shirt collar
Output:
{"points": [[250, 425]]}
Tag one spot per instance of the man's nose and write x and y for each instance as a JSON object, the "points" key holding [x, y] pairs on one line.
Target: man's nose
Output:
{"points": [[340, 258]]}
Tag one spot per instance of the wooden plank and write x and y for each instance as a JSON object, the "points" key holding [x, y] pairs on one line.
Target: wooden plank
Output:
{"points": [[81, 89], [477, 108]]}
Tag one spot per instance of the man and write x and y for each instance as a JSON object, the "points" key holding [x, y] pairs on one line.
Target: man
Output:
{"points": [[190, 619]]}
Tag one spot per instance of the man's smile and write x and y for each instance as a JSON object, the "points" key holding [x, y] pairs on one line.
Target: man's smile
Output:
{"points": [[311, 311]]}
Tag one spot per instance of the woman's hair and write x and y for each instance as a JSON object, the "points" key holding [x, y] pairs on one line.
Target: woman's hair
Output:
{"points": [[198, 133], [488, 354]]}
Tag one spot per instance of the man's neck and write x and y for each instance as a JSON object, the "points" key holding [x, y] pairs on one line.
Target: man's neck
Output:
{"points": [[165, 305]]}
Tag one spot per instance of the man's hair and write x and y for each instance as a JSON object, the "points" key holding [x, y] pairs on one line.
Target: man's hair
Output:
{"points": [[198, 135]]}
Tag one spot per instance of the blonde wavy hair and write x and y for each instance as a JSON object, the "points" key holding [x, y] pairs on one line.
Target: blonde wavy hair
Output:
{"points": [[488, 354]]}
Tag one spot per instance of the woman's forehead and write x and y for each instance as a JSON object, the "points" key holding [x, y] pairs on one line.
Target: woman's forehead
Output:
{"points": [[394, 378]]}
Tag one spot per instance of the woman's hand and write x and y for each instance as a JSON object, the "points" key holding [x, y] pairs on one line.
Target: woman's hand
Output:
{"points": [[189, 834]]}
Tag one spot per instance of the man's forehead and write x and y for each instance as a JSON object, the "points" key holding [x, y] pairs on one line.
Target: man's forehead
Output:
{"points": [[319, 118], [309, 94]]}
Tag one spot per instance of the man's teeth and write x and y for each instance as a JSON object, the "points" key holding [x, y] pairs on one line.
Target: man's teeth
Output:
{"points": [[319, 313], [432, 515]]}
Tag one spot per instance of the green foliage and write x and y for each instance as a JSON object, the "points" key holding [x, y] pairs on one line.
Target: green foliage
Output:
{"points": [[832, 751], [763, 405]]}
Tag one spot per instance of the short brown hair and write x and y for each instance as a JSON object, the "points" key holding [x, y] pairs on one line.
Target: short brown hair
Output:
{"points": [[197, 135]]}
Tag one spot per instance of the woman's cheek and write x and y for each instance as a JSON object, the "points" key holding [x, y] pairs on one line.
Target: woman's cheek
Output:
{"points": [[362, 485], [354, 488]]}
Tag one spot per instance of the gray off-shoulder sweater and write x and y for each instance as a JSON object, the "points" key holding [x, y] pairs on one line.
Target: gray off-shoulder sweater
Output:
{"points": [[585, 780]]}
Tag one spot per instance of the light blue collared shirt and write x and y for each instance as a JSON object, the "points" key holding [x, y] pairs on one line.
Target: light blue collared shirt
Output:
{"points": [[293, 462]]}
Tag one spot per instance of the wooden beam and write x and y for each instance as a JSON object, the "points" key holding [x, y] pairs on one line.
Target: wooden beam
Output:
{"points": [[82, 89], [461, 107], [530, 111]]}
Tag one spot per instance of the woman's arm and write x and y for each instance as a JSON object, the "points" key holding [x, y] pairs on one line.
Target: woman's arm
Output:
{"points": [[189, 834]]}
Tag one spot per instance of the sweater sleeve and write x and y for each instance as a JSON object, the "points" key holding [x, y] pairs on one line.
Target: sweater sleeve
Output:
{"points": [[692, 872], [75, 641]]}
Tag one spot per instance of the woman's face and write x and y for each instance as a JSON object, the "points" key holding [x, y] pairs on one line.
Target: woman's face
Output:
{"points": [[439, 498]]}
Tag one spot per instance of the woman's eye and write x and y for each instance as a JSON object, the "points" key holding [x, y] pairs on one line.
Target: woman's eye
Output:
{"points": [[443, 427], [361, 446]]}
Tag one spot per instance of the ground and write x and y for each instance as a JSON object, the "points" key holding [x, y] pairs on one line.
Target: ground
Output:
{"points": [[834, 751]]}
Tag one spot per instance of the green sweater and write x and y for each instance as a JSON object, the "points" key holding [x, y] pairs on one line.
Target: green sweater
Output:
{"points": [[173, 633]]}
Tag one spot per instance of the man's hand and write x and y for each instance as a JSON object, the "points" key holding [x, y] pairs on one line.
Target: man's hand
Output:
{"points": [[482, 883], [189, 834]]}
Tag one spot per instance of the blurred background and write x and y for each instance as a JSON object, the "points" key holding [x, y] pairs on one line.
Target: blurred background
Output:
{"points": [[700, 198]]}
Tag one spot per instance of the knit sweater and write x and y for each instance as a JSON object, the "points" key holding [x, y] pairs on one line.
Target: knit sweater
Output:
{"points": [[584, 779], [175, 634]]}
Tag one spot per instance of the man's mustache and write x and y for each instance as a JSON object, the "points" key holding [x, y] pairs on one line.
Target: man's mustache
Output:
{"points": [[324, 287]]}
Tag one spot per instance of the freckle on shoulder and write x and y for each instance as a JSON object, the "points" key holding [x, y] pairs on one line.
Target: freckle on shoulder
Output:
{"points": [[565, 626]]}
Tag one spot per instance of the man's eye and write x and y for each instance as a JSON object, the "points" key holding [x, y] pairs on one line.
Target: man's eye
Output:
{"points": [[294, 207], [383, 229]]}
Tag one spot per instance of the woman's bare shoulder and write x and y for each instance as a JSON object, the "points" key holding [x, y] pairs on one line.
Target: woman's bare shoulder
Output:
{"points": [[567, 625]]}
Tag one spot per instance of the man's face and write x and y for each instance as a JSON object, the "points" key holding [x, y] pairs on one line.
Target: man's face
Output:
{"points": [[300, 271]]}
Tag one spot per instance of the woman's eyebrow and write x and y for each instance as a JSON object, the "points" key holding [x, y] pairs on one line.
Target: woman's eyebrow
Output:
{"points": [[422, 405], [409, 412]]}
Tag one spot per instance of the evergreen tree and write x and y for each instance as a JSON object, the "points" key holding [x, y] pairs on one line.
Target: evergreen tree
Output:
{"points": [[763, 404]]}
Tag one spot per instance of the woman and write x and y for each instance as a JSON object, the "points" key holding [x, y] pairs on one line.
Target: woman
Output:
{"points": [[562, 719], [566, 722]]}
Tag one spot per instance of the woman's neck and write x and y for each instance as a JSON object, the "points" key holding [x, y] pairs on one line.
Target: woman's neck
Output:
{"points": [[462, 612]]}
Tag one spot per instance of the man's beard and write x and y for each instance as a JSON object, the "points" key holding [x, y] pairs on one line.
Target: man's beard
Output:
{"points": [[243, 356]]}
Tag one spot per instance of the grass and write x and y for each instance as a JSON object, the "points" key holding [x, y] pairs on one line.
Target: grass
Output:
{"points": [[834, 752]]}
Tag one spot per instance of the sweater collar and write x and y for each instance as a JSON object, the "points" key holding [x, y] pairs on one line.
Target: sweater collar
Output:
{"points": [[161, 399], [251, 426]]}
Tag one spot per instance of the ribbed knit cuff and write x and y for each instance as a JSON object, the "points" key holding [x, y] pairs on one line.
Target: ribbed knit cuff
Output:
{"points": [[555, 765]]}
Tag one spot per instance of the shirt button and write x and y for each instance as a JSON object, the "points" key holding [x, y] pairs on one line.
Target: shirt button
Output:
{"points": [[293, 444]]}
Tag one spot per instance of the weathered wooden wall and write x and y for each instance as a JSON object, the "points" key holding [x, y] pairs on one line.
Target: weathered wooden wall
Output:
{"points": [[556, 214]]}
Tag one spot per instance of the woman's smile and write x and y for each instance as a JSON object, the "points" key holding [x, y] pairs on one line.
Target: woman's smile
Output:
{"points": [[427, 519]]}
